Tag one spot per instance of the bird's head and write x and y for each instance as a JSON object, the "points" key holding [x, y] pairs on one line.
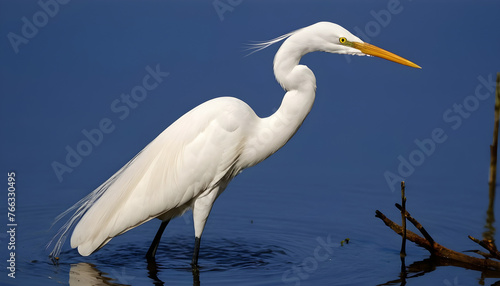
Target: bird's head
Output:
{"points": [[332, 38]]}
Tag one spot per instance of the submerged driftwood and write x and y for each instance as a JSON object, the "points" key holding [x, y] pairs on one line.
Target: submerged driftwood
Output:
{"points": [[440, 251]]}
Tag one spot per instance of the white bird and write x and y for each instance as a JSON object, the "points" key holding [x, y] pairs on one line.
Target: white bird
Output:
{"points": [[192, 161]]}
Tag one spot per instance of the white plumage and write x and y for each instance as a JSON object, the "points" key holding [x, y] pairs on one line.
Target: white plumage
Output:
{"points": [[191, 162], [183, 162]]}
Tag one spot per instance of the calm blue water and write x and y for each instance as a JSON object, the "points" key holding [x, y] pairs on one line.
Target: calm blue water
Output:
{"points": [[266, 233]]}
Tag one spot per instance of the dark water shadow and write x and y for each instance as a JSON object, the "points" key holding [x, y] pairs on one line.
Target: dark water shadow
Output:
{"points": [[428, 265], [121, 264]]}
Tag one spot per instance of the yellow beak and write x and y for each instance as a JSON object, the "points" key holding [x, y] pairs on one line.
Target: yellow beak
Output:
{"points": [[381, 53]]}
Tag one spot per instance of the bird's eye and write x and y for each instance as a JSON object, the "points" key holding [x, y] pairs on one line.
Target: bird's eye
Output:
{"points": [[342, 40]]}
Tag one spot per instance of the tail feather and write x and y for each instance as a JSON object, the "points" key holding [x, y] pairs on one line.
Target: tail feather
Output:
{"points": [[80, 208]]}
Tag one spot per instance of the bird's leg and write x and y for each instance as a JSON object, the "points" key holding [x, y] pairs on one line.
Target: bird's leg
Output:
{"points": [[156, 241], [196, 276], [201, 210], [153, 272], [194, 262]]}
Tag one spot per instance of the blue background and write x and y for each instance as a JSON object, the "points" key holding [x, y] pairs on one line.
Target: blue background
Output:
{"points": [[368, 111]]}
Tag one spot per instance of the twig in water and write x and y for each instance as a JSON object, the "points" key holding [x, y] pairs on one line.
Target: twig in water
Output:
{"points": [[435, 248], [402, 253], [488, 245], [417, 225], [489, 234], [494, 145]]}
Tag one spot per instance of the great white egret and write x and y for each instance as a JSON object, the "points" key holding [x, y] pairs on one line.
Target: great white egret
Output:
{"points": [[192, 161]]}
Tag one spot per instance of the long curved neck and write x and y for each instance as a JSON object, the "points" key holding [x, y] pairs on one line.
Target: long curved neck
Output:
{"points": [[272, 132]]}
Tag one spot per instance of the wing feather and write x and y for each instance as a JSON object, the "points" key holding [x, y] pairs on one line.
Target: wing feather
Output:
{"points": [[190, 156]]}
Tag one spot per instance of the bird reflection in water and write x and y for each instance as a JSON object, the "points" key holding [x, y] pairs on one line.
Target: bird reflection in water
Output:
{"points": [[85, 274]]}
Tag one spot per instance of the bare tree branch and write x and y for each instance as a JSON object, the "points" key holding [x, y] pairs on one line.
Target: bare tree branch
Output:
{"points": [[438, 250]]}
